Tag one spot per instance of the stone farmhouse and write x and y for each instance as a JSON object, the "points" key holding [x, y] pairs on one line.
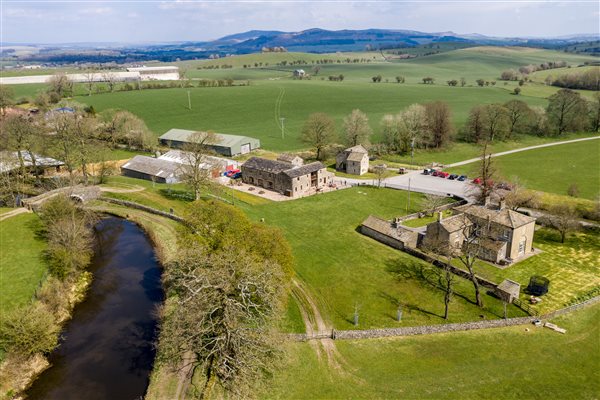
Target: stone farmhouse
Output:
{"points": [[353, 160], [506, 235], [292, 179]]}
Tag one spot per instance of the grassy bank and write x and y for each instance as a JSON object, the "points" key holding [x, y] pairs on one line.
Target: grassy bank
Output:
{"points": [[505, 363]]}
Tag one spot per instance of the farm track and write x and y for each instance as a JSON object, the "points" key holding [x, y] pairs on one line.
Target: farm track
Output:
{"points": [[539, 146], [14, 212]]}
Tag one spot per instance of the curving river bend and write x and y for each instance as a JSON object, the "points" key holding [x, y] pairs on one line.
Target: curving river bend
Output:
{"points": [[107, 347]]}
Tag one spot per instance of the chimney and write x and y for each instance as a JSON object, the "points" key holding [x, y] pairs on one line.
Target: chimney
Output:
{"points": [[439, 215], [502, 204]]}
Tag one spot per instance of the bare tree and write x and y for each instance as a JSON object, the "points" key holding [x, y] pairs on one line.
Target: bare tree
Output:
{"points": [[468, 253], [226, 307], [196, 167], [594, 112], [519, 196], [487, 173], [497, 121], [444, 271], [319, 132], [476, 123], [414, 123], [90, 78], [23, 136], [431, 203], [110, 79], [60, 84], [356, 128], [380, 171], [563, 218]]}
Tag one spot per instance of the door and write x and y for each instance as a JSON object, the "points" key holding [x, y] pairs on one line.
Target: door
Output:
{"points": [[245, 149]]}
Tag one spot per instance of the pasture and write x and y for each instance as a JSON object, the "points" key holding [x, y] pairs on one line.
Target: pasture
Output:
{"points": [[22, 266], [552, 169], [504, 363]]}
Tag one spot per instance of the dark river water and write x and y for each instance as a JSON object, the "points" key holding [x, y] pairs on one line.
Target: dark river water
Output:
{"points": [[107, 348]]}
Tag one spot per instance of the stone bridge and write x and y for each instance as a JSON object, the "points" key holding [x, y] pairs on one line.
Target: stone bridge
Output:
{"points": [[79, 193]]}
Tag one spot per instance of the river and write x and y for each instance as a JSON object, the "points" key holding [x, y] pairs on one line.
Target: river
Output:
{"points": [[106, 350]]}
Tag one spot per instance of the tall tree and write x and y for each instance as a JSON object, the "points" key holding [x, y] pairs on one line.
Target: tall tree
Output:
{"points": [[414, 122], [196, 169], [467, 255], [225, 313], [487, 174], [518, 113], [594, 112], [319, 132], [24, 136], [90, 77], [439, 126], [563, 218], [496, 117], [476, 124], [392, 129], [356, 129], [566, 110], [60, 84], [6, 98]]}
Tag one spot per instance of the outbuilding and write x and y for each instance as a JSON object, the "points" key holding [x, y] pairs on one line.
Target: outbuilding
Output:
{"points": [[152, 169], [224, 144]]}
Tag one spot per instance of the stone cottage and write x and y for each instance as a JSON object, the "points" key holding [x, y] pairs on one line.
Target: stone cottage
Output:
{"points": [[286, 178], [354, 160]]}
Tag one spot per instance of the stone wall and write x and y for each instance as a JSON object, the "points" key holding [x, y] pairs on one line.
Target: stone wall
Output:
{"points": [[380, 237], [137, 206], [429, 329]]}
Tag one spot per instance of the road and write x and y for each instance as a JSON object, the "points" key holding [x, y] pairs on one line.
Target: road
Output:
{"points": [[539, 146]]}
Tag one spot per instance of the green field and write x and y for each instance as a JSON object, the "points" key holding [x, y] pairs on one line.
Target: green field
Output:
{"points": [[343, 268], [22, 266], [552, 169], [504, 363]]}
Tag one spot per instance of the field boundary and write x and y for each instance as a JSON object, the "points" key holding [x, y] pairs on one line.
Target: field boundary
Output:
{"points": [[441, 328]]}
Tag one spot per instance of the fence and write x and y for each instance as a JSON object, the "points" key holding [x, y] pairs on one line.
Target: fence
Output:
{"points": [[131, 204]]}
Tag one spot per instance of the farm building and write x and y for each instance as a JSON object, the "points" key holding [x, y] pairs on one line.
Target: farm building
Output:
{"points": [[226, 145], [353, 160], [170, 167], [163, 73], [152, 169], [299, 73], [286, 178], [9, 161], [292, 159]]}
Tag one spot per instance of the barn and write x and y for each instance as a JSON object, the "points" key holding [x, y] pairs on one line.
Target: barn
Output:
{"points": [[224, 144], [152, 169]]}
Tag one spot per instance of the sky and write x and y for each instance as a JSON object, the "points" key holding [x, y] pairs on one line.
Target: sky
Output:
{"points": [[132, 21]]}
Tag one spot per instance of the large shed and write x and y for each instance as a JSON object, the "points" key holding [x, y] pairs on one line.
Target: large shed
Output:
{"points": [[152, 169], [224, 144]]}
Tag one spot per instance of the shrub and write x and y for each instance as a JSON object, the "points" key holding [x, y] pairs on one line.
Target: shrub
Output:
{"points": [[28, 330]]}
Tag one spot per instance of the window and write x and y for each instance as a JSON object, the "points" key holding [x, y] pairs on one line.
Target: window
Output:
{"points": [[505, 234], [522, 245]]}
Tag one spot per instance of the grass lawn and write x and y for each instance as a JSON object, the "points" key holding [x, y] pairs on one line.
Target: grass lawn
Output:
{"points": [[4, 210], [573, 267], [22, 267], [503, 363], [419, 222], [553, 169], [343, 268]]}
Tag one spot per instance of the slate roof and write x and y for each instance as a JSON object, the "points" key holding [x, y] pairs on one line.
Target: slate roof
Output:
{"points": [[494, 245], [355, 156], [152, 166], [221, 139], [289, 158], [503, 217], [455, 223], [385, 227], [267, 165], [357, 149], [304, 169], [509, 286]]}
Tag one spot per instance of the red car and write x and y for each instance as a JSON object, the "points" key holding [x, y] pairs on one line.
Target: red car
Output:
{"points": [[443, 174], [232, 172], [477, 181]]}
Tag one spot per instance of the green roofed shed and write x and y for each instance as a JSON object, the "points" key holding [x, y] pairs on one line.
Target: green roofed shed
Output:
{"points": [[225, 144]]}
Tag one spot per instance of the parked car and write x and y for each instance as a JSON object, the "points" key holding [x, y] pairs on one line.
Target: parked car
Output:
{"points": [[237, 175], [232, 172], [477, 181], [462, 178], [435, 173], [402, 170], [453, 177], [426, 171], [443, 174]]}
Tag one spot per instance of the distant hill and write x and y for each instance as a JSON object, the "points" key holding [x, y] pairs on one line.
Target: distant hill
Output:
{"points": [[311, 40]]}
